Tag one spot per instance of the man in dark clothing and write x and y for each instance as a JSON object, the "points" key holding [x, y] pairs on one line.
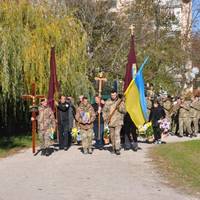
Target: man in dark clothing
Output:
{"points": [[130, 134], [63, 123], [72, 113], [97, 106], [157, 113]]}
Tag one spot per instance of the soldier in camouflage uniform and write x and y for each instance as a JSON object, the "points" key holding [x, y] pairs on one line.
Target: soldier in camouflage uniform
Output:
{"points": [[175, 116], [151, 92], [195, 113], [149, 105], [85, 117], [114, 107], [167, 105], [184, 118], [46, 125]]}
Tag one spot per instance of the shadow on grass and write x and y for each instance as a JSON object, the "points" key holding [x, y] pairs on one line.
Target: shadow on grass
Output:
{"points": [[13, 144]]}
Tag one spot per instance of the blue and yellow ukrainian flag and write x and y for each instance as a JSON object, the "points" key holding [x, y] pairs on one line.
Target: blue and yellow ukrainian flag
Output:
{"points": [[134, 89], [139, 80]]}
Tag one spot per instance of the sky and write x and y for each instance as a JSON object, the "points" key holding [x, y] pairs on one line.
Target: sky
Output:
{"points": [[196, 15]]}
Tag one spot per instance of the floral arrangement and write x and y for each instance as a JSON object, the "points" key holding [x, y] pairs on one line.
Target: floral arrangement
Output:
{"points": [[76, 135], [146, 130], [165, 125], [106, 135]]}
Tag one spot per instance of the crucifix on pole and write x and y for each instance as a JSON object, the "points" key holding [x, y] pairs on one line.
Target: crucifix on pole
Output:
{"points": [[100, 80], [33, 98]]}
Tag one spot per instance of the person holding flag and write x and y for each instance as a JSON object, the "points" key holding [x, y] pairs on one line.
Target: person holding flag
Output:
{"points": [[113, 113]]}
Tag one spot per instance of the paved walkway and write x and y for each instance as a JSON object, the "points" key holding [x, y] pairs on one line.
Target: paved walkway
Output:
{"points": [[73, 176]]}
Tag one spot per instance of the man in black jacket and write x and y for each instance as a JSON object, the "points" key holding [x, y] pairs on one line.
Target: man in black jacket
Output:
{"points": [[130, 134], [72, 113], [63, 123]]}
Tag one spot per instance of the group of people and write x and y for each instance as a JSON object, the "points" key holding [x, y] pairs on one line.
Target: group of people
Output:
{"points": [[182, 114], [91, 120]]}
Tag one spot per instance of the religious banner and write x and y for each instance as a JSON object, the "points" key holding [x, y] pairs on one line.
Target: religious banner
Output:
{"points": [[53, 82], [131, 89]]}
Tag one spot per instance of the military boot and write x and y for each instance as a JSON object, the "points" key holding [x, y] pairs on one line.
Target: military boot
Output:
{"points": [[47, 152], [43, 152], [85, 151], [90, 151], [117, 152]]}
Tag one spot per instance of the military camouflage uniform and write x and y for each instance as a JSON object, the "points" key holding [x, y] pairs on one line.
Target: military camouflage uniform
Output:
{"points": [[184, 119], [149, 106], [46, 122], [151, 93], [167, 105], [194, 111], [116, 121], [86, 129], [175, 117]]}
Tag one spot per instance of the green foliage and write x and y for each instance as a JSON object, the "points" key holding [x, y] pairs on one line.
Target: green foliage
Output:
{"points": [[109, 39], [88, 38], [27, 33], [156, 38]]}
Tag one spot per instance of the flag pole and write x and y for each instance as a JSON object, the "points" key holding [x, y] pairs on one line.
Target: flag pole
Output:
{"points": [[56, 98], [53, 87]]}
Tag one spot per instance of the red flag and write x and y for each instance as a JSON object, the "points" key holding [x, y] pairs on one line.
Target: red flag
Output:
{"points": [[53, 82], [131, 60]]}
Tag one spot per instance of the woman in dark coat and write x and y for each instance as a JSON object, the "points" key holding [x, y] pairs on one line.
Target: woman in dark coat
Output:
{"points": [[156, 115]]}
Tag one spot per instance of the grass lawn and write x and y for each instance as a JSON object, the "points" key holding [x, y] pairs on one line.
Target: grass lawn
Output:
{"points": [[180, 163], [13, 145]]}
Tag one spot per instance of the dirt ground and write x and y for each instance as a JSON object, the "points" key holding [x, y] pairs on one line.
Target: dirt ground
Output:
{"points": [[73, 176]]}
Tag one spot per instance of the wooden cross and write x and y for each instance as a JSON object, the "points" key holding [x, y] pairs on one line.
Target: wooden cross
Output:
{"points": [[100, 79], [132, 27], [33, 97]]}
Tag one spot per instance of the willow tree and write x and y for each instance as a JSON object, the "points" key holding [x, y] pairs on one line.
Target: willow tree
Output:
{"points": [[27, 32]]}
